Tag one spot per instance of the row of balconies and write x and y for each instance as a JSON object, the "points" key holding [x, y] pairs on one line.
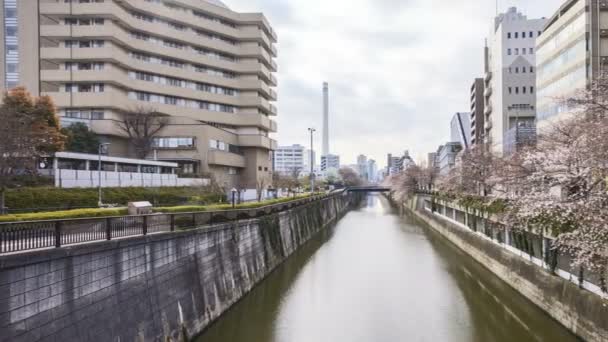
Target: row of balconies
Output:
{"points": [[112, 10], [118, 100], [116, 76], [116, 34], [114, 53], [111, 30]]}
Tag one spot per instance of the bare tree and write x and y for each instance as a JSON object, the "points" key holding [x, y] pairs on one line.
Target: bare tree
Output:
{"points": [[141, 125]]}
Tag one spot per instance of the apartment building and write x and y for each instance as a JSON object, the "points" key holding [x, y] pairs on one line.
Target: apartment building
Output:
{"points": [[207, 69], [477, 109], [571, 51], [510, 80]]}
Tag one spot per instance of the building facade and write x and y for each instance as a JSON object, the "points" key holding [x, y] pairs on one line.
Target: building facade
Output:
{"points": [[571, 51], [362, 167], [207, 69], [477, 109], [510, 81], [446, 157], [460, 129], [290, 159], [398, 164], [330, 162]]}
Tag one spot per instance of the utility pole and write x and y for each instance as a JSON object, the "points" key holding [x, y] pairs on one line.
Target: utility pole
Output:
{"points": [[99, 151], [312, 162]]}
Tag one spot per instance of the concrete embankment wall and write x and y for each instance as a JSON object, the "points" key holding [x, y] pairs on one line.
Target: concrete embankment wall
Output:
{"points": [[583, 312], [162, 287]]}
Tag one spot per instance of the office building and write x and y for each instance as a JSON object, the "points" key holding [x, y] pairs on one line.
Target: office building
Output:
{"points": [[510, 80], [205, 68], [362, 167], [460, 129], [289, 160], [446, 157], [330, 162], [570, 54], [477, 109], [431, 161], [372, 170]]}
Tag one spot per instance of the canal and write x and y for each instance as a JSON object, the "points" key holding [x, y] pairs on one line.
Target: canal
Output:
{"points": [[379, 277]]}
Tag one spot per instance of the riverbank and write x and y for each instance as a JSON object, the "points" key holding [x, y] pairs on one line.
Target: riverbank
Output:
{"points": [[582, 312], [161, 287]]}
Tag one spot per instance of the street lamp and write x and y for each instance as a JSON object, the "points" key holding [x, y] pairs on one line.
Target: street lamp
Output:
{"points": [[233, 191], [312, 162], [99, 151]]}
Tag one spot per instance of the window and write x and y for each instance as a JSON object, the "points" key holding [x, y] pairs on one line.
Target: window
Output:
{"points": [[531, 50], [531, 34], [523, 51], [173, 142], [516, 51], [517, 70], [523, 34], [516, 35], [232, 171], [531, 90], [510, 70], [510, 90], [509, 35], [523, 90], [516, 90], [523, 70], [143, 97], [532, 69], [170, 100], [509, 52], [142, 76]]}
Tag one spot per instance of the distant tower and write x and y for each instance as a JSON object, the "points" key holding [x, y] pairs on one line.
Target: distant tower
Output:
{"points": [[325, 118]]}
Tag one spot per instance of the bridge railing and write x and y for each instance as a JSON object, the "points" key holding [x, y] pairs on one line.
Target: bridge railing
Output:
{"points": [[28, 235]]}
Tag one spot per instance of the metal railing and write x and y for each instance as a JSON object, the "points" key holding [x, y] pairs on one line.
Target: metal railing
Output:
{"points": [[27, 235]]}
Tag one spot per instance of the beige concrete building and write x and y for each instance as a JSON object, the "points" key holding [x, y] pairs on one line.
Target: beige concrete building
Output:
{"points": [[571, 51], [209, 69]]}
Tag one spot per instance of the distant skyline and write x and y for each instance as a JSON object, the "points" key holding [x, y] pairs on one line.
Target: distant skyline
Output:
{"points": [[398, 70]]}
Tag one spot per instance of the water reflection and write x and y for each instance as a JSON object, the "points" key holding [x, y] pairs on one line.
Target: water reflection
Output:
{"points": [[379, 277]]}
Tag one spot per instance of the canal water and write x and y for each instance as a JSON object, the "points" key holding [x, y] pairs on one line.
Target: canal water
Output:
{"points": [[379, 277]]}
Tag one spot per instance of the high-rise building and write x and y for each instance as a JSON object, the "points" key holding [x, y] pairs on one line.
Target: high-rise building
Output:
{"points": [[570, 53], [460, 129], [362, 166], [330, 162], [510, 97], [207, 69], [477, 109], [372, 170], [290, 159], [431, 160]]}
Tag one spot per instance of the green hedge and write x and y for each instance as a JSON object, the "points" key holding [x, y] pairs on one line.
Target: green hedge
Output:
{"points": [[65, 214], [57, 198], [248, 205], [103, 212]]}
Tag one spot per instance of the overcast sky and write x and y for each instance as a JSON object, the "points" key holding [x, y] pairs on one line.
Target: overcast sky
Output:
{"points": [[398, 69]]}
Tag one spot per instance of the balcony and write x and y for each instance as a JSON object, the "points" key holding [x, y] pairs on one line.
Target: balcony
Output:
{"points": [[488, 76], [488, 109], [487, 92], [217, 157], [257, 141]]}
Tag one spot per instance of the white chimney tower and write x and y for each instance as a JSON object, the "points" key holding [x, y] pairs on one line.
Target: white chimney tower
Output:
{"points": [[325, 118]]}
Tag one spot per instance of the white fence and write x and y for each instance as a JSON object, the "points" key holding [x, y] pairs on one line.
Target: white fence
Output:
{"points": [[90, 179]]}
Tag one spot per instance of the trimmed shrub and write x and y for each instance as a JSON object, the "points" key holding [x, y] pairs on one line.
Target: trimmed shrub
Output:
{"points": [[66, 214], [38, 199]]}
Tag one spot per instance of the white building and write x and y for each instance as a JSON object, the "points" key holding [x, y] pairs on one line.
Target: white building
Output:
{"points": [[330, 162], [510, 97], [289, 159], [372, 170], [362, 167], [397, 164]]}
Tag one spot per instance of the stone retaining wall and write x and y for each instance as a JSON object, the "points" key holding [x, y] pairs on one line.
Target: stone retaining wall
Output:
{"points": [[583, 312], [161, 287]]}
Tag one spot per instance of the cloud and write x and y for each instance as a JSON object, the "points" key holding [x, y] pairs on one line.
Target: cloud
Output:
{"points": [[398, 69]]}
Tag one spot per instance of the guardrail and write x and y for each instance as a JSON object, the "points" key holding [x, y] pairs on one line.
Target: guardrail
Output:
{"points": [[28, 235]]}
